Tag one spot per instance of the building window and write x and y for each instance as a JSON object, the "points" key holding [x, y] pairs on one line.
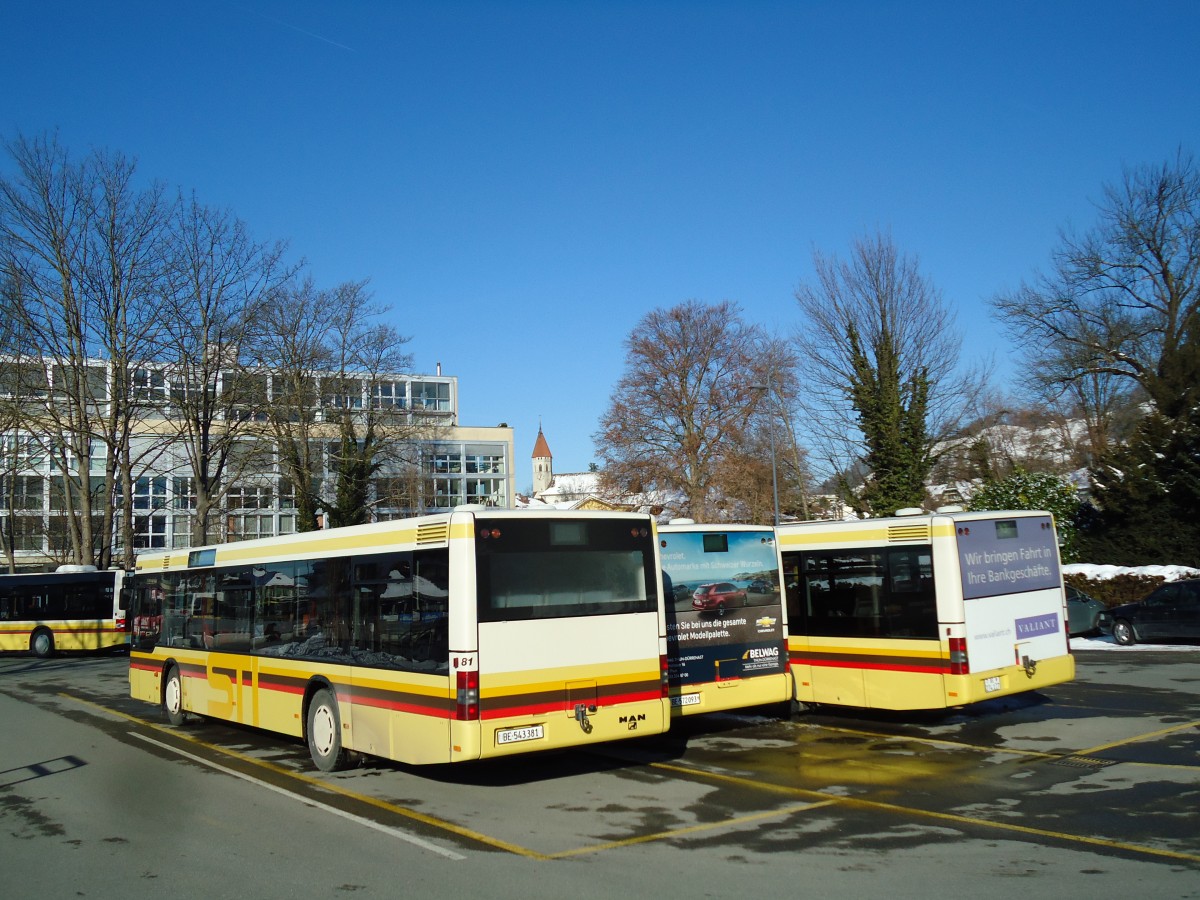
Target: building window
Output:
{"points": [[249, 496], [431, 395], [389, 395], [342, 393], [184, 493], [447, 493], [147, 385], [150, 532], [181, 531], [22, 451], [483, 461], [23, 379], [445, 462], [22, 492], [247, 527], [287, 497], [150, 493], [481, 490], [28, 533]]}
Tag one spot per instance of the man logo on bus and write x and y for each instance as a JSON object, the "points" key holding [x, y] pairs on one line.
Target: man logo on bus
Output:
{"points": [[632, 721]]}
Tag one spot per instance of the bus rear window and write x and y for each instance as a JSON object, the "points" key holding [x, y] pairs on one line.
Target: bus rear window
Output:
{"points": [[1006, 529], [543, 569]]}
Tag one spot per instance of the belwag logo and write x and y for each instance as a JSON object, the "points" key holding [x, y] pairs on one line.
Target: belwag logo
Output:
{"points": [[761, 653]]}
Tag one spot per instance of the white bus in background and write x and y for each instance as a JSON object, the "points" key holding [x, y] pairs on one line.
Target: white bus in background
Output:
{"points": [[924, 611], [726, 644]]}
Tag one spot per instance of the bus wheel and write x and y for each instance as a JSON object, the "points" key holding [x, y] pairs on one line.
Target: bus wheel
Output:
{"points": [[1122, 632], [324, 732], [42, 644], [173, 697]]}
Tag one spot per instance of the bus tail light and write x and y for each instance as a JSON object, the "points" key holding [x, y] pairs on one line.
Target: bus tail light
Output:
{"points": [[664, 681], [959, 665], [466, 702]]}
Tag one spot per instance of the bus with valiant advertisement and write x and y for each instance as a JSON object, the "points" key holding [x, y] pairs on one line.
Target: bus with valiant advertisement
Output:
{"points": [[924, 611]]}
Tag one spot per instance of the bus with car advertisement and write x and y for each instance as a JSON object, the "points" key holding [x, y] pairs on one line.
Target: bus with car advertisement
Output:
{"points": [[726, 646]]}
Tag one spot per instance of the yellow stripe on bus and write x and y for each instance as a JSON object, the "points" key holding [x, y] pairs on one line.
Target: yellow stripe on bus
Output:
{"points": [[319, 542], [802, 535]]}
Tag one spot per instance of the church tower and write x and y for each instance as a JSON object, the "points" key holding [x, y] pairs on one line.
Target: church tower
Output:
{"points": [[543, 464]]}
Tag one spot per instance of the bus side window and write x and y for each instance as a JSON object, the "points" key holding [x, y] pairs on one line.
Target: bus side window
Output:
{"points": [[431, 587]]}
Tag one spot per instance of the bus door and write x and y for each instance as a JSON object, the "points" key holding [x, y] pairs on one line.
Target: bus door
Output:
{"points": [[823, 666]]}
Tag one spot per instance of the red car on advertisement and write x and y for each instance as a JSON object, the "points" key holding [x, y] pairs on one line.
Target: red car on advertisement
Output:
{"points": [[718, 596]]}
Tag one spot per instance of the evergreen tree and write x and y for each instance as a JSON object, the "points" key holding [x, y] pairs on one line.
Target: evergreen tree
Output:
{"points": [[1037, 490], [891, 412], [1148, 494]]}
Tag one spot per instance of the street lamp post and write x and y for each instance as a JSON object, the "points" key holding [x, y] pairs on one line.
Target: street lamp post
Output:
{"points": [[771, 434]]}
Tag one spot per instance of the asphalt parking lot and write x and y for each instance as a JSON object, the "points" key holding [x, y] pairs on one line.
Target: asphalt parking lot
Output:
{"points": [[1094, 778]]}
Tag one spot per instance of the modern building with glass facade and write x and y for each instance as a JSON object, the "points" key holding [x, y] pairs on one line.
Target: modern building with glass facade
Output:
{"points": [[434, 464]]}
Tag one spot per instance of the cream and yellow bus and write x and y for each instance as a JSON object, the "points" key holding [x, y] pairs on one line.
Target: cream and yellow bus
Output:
{"points": [[76, 608], [725, 624], [471, 634], [924, 611]]}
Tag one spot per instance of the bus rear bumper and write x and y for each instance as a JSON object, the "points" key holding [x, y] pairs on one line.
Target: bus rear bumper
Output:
{"points": [[978, 686]]}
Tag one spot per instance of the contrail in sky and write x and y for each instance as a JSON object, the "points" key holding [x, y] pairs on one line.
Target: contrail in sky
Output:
{"points": [[301, 30]]}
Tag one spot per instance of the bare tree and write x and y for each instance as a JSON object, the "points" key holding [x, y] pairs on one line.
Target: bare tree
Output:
{"points": [[879, 359], [375, 435], [325, 356], [1121, 302], [82, 249], [220, 279], [684, 404]]}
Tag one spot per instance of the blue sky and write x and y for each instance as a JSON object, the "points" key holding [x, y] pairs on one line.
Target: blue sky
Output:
{"points": [[522, 181]]}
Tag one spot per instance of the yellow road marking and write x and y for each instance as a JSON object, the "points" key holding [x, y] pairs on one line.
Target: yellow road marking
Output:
{"points": [[815, 799], [863, 803], [1036, 754], [405, 812], [941, 742], [1135, 739], [690, 829]]}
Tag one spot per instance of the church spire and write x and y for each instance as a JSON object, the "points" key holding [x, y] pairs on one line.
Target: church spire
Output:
{"points": [[543, 463]]}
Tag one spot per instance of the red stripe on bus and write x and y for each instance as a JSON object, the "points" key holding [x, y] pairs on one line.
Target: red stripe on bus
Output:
{"points": [[497, 708], [893, 664]]}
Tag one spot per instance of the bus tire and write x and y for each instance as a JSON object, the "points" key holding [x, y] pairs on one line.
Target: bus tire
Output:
{"points": [[1123, 633], [41, 642], [324, 732], [172, 699]]}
